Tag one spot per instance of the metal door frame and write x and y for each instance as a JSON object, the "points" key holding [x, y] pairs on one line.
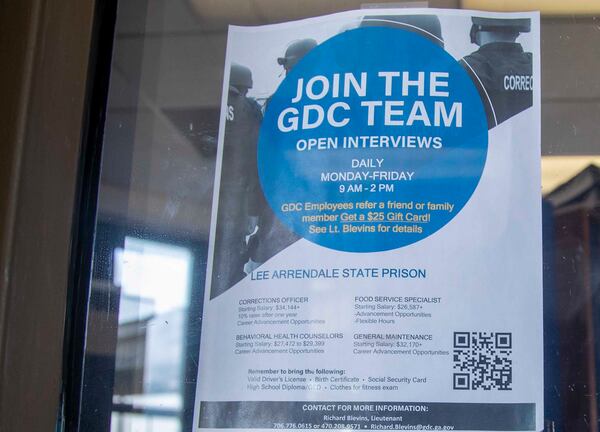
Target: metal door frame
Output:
{"points": [[54, 80]]}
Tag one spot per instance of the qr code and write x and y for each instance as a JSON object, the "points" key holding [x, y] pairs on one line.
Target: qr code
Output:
{"points": [[482, 361]]}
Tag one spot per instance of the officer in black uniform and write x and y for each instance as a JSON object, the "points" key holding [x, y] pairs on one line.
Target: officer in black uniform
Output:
{"points": [[427, 26], [500, 68], [272, 236], [240, 196]]}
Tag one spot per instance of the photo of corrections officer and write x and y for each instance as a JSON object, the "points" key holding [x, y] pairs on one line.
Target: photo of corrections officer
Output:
{"points": [[240, 196], [425, 25], [272, 236], [294, 53], [500, 68]]}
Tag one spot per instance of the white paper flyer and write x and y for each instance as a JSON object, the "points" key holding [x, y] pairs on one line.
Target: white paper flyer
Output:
{"points": [[375, 252]]}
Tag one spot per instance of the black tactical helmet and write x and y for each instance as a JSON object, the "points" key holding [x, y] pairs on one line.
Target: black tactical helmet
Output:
{"points": [[426, 25], [295, 51], [240, 76], [507, 25]]}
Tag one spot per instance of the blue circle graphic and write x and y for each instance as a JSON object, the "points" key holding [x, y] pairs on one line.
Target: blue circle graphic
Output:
{"points": [[375, 140]]}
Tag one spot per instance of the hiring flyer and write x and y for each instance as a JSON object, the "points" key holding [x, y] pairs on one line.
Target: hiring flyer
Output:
{"points": [[375, 250]]}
